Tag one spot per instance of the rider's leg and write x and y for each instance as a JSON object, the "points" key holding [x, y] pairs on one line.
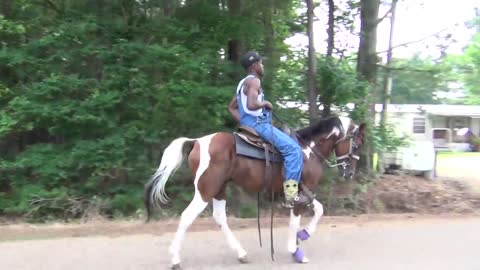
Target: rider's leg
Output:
{"points": [[290, 149], [293, 160]]}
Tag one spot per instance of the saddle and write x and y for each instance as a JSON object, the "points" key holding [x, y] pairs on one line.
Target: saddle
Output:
{"points": [[251, 137], [249, 143]]}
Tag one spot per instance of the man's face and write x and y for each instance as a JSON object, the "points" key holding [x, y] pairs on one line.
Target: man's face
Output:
{"points": [[259, 68]]}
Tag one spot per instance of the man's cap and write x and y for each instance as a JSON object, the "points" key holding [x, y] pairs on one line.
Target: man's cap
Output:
{"points": [[249, 58]]}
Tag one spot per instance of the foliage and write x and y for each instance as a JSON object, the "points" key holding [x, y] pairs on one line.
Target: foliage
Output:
{"points": [[386, 140], [338, 83], [476, 144], [468, 68], [418, 81], [88, 101], [91, 92]]}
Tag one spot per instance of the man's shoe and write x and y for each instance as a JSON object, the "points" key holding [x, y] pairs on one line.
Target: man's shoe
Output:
{"points": [[290, 189], [295, 198], [302, 199]]}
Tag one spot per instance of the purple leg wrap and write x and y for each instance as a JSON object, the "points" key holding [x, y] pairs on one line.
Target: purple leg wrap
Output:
{"points": [[298, 255], [303, 235]]}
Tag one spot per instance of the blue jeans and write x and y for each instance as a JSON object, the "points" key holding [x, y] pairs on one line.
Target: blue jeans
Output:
{"points": [[290, 149]]}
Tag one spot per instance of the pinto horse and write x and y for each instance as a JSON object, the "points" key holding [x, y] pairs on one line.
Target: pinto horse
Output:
{"points": [[219, 158]]}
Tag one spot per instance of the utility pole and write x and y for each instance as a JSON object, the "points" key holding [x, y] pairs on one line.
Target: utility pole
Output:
{"points": [[387, 83]]}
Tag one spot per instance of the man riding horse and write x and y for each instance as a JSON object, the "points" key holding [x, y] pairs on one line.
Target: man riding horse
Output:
{"points": [[249, 108], [220, 158]]}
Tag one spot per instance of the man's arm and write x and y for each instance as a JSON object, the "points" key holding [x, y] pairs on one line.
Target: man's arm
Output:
{"points": [[251, 90], [233, 109]]}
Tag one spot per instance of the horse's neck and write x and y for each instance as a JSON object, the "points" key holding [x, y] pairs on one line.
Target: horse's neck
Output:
{"points": [[326, 148]]}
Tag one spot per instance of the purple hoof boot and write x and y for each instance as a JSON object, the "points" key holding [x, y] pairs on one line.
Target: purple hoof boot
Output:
{"points": [[298, 255], [303, 235]]}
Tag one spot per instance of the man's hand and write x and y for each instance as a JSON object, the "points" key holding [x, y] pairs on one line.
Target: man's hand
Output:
{"points": [[267, 105], [233, 109]]}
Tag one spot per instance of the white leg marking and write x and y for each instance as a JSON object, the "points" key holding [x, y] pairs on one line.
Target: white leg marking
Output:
{"points": [[220, 216], [318, 212], [292, 232], [196, 206]]}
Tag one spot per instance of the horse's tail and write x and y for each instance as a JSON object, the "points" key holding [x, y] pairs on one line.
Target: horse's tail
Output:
{"points": [[172, 158]]}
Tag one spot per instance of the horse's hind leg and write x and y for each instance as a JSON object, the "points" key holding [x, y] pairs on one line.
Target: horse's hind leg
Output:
{"points": [[220, 216], [196, 206]]}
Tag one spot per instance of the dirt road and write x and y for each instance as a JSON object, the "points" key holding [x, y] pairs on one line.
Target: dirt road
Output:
{"points": [[396, 242]]}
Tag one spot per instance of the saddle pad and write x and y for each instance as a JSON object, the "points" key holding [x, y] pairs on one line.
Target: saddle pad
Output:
{"points": [[245, 149]]}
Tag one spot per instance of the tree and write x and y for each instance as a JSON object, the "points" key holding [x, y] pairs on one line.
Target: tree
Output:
{"points": [[468, 65], [88, 101], [326, 94], [417, 80], [312, 65], [367, 64]]}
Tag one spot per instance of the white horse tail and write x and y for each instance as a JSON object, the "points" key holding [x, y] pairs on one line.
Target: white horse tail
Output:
{"points": [[172, 159]]}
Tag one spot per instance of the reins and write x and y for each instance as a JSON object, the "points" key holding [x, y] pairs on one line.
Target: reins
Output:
{"points": [[318, 154], [268, 174]]}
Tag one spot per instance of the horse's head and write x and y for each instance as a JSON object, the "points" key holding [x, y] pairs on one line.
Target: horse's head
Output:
{"points": [[347, 148], [339, 135]]}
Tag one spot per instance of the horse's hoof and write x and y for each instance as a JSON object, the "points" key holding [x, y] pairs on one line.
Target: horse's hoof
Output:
{"points": [[303, 235], [299, 256], [176, 267], [243, 260]]}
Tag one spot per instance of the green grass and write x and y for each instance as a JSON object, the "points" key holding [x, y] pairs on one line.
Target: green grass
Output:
{"points": [[444, 155]]}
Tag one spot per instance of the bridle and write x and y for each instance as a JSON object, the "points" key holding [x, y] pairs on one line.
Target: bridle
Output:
{"points": [[349, 156], [352, 146]]}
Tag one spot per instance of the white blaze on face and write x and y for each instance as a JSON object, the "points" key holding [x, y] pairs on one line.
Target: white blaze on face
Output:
{"points": [[335, 131]]}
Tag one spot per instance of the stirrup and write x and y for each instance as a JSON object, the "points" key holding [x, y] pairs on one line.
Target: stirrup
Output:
{"points": [[303, 198]]}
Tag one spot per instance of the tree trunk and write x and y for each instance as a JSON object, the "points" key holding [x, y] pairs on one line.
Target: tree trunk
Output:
{"points": [[326, 94], [367, 58], [168, 8], [387, 84], [6, 8], [269, 46], [235, 45], [312, 66], [331, 28], [366, 65]]}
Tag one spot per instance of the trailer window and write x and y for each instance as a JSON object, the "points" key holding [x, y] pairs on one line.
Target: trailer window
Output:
{"points": [[419, 125]]}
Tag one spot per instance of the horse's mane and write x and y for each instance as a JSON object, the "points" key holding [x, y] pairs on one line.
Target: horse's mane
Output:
{"points": [[320, 127]]}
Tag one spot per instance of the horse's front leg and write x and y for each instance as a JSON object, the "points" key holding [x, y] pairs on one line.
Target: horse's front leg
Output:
{"points": [[292, 246], [312, 227]]}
